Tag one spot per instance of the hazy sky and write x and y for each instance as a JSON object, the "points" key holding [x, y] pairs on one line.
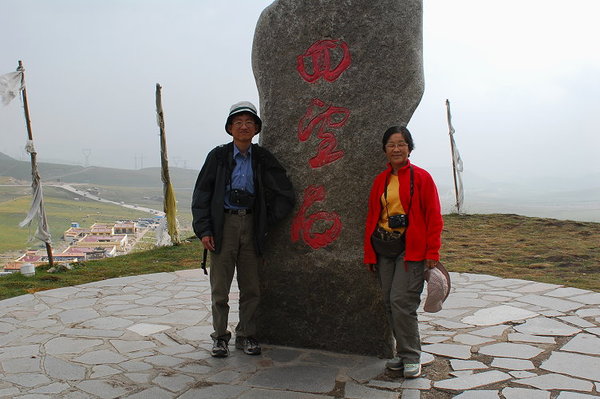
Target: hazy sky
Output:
{"points": [[522, 76]]}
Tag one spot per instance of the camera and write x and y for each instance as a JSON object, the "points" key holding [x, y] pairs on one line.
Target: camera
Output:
{"points": [[241, 198], [397, 221]]}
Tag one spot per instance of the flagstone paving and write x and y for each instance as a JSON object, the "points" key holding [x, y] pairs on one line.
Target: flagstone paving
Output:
{"points": [[148, 337]]}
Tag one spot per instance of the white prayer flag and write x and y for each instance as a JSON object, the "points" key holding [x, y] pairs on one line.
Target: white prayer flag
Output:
{"points": [[37, 203], [10, 85], [456, 162]]}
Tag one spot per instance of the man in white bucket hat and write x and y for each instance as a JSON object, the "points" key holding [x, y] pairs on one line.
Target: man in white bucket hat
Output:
{"points": [[240, 190]]}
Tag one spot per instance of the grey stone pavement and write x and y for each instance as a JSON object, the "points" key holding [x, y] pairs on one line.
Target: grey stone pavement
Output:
{"points": [[148, 337]]}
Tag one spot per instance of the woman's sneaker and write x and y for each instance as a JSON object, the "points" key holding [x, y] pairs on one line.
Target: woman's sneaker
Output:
{"points": [[395, 364], [412, 370]]}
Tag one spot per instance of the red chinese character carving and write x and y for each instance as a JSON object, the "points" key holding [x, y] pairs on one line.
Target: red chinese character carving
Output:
{"points": [[302, 225], [320, 56], [327, 147]]}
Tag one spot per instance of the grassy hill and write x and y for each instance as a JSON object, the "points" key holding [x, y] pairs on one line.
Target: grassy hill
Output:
{"points": [[510, 246], [61, 210], [52, 172], [136, 187]]}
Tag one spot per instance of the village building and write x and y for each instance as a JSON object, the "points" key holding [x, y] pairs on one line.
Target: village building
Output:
{"points": [[124, 228], [75, 233], [102, 229], [120, 241], [101, 240], [93, 252]]}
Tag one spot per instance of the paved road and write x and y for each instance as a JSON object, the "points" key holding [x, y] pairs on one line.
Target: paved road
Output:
{"points": [[87, 195], [148, 337]]}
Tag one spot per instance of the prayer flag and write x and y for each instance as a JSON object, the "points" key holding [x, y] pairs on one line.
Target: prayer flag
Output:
{"points": [[457, 163], [10, 85], [37, 203]]}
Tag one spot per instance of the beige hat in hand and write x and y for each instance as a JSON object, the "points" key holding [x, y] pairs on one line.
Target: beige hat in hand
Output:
{"points": [[438, 288]]}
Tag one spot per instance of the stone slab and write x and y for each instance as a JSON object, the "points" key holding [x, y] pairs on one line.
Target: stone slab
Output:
{"points": [[301, 378], [356, 391], [578, 321], [467, 365], [511, 350], [573, 364], [524, 393], [472, 381], [592, 298], [512, 364], [557, 381], [547, 327], [574, 395], [478, 394], [63, 370], [469, 339], [565, 292], [103, 389], [257, 393], [537, 339], [491, 332], [522, 374], [583, 343], [498, 315], [103, 356], [145, 329], [551, 303], [449, 350]]}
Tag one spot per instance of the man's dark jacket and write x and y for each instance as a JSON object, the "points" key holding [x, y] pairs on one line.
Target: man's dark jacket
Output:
{"points": [[274, 192]]}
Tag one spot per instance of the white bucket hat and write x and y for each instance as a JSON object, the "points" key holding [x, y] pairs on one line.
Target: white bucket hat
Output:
{"points": [[243, 106], [438, 288]]}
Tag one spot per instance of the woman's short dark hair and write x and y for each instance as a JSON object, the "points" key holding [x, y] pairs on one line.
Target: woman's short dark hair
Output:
{"points": [[398, 129]]}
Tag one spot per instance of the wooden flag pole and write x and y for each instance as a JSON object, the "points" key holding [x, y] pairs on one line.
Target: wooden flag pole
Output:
{"points": [[33, 155]]}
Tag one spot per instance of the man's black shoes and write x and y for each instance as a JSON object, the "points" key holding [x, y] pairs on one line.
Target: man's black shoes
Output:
{"points": [[220, 348], [248, 344]]}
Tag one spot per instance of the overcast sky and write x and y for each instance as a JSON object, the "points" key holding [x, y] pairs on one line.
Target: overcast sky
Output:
{"points": [[522, 76]]}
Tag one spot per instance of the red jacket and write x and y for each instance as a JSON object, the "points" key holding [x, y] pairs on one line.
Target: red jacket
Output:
{"points": [[424, 232]]}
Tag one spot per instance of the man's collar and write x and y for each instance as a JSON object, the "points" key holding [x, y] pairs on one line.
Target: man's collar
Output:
{"points": [[236, 150]]}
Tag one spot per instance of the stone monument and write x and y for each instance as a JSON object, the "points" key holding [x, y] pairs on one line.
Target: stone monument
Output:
{"points": [[332, 76]]}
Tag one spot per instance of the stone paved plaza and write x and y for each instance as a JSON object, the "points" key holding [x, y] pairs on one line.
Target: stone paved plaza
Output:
{"points": [[148, 337]]}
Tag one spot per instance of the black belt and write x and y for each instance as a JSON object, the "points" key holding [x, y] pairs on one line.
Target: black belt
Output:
{"points": [[241, 212]]}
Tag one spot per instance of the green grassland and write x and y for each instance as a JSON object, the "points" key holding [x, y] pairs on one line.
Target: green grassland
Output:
{"points": [[164, 259], [512, 246], [149, 197], [509, 246], [61, 210]]}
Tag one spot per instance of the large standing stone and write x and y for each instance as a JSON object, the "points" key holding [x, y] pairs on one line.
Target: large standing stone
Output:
{"points": [[332, 75]]}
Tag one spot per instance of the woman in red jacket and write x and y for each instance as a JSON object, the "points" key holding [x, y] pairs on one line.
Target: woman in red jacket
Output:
{"points": [[402, 238]]}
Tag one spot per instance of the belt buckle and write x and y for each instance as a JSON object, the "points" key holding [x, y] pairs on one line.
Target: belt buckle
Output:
{"points": [[242, 212]]}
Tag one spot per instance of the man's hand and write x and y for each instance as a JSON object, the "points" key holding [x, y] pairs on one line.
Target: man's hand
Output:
{"points": [[370, 268], [208, 242], [430, 263]]}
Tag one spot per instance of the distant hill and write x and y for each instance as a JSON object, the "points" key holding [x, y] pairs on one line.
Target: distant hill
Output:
{"points": [[52, 172]]}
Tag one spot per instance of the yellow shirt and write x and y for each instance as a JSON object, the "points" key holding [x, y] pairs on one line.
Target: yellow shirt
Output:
{"points": [[393, 203]]}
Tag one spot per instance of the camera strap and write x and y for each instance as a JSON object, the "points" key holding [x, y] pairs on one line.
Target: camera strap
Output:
{"points": [[412, 189]]}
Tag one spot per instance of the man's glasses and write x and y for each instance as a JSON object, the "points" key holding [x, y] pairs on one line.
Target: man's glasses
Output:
{"points": [[242, 123]]}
